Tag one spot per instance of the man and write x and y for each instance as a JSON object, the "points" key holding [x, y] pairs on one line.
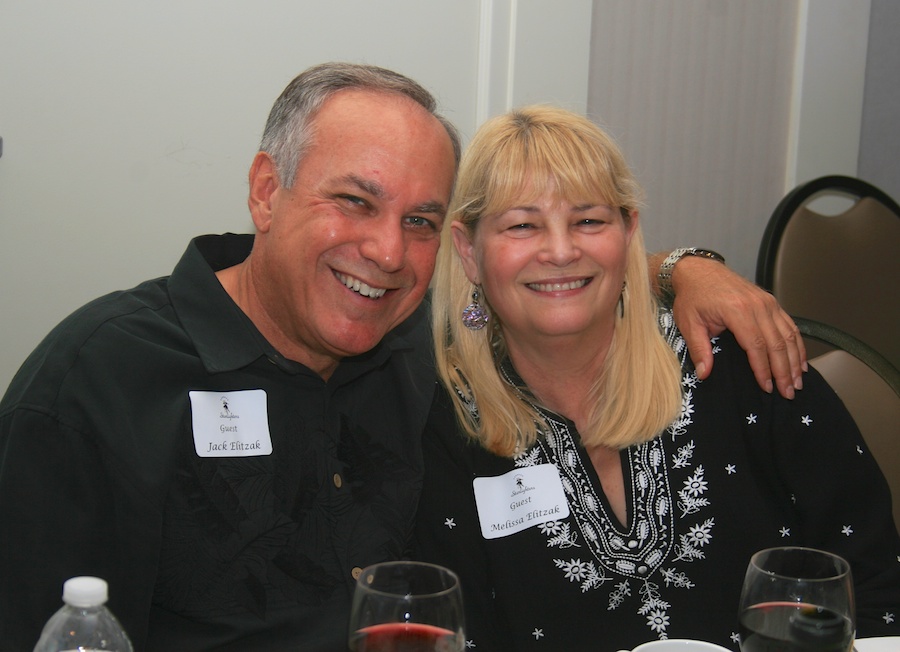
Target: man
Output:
{"points": [[229, 446]]}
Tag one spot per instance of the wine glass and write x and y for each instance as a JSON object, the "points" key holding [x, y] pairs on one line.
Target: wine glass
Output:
{"points": [[405, 606], [797, 600]]}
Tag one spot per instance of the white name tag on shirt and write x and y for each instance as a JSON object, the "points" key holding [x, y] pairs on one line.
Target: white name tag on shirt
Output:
{"points": [[230, 424], [520, 499]]}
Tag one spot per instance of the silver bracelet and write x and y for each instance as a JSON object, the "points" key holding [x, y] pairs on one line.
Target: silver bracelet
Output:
{"points": [[664, 277]]}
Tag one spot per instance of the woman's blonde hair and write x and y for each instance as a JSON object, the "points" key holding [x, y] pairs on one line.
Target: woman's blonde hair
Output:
{"points": [[639, 392]]}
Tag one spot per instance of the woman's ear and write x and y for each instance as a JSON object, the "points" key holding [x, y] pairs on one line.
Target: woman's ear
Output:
{"points": [[466, 250], [631, 223]]}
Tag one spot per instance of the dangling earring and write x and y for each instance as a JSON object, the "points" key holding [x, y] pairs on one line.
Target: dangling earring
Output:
{"points": [[622, 302], [475, 317]]}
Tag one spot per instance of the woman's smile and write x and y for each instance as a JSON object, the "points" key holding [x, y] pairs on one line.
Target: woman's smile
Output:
{"points": [[559, 286]]}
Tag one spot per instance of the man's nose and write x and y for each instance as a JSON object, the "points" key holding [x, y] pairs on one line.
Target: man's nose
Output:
{"points": [[385, 244]]}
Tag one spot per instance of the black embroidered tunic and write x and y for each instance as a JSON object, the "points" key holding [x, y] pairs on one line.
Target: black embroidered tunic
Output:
{"points": [[738, 471]]}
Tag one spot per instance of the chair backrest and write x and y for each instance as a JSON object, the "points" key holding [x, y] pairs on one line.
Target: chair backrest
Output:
{"points": [[838, 269], [869, 386]]}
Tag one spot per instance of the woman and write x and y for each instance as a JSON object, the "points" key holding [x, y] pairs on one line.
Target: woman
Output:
{"points": [[591, 492]]}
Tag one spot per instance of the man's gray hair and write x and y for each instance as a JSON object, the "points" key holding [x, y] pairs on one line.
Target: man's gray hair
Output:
{"points": [[289, 129]]}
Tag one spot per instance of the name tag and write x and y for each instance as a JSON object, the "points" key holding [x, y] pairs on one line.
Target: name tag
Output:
{"points": [[518, 500], [230, 424]]}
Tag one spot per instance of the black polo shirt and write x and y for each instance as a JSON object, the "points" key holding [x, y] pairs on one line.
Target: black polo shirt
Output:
{"points": [[227, 494]]}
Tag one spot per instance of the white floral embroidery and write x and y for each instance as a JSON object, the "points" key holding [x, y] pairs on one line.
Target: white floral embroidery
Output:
{"points": [[450, 523], [528, 458], [691, 500], [806, 420], [673, 337], [696, 485], [651, 600], [658, 621], [586, 573], [751, 418], [645, 557], [688, 548], [551, 527], [699, 534], [563, 538], [681, 459], [888, 618], [575, 569], [679, 426], [662, 506], [676, 578], [617, 597]]}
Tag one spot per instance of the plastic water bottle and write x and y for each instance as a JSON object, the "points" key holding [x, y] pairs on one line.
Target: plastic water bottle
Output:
{"points": [[83, 623]]}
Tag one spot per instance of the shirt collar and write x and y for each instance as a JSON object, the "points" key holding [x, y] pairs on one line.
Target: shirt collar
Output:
{"points": [[224, 337]]}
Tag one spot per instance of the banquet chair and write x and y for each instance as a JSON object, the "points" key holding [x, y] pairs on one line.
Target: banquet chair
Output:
{"points": [[869, 387], [840, 269]]}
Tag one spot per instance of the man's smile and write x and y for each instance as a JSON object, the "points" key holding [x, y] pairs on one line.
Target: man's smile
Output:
{"points": [[359, 287]]}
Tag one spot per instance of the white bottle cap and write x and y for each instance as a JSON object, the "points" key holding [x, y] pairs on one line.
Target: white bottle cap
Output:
{"points": [[85, 591]]}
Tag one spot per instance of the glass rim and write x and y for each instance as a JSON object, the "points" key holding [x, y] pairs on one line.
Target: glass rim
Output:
{"points": [[440, 570], [842, 566]]}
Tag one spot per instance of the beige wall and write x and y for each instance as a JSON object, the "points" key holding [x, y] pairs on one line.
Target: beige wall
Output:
{"points": [[723, 106], [879, 162], [128, 127]]}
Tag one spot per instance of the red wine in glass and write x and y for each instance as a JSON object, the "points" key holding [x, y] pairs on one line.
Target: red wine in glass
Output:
{"points": [[797, 599], [406, 606], [405, 637], [794, 627]]}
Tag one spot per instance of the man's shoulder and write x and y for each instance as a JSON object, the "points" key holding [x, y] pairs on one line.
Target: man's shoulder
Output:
{"points": [[100, 335], [122, 311]]}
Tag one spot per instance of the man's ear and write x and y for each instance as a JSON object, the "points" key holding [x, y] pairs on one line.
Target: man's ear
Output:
{"points": [[263, 185], [466, 250]]}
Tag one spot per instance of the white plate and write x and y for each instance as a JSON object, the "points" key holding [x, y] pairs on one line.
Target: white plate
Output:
{"points": [[878, 644], [678, 645]]}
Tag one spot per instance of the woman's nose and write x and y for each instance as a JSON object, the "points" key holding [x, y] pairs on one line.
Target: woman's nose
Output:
{"points": [[559, 248]]}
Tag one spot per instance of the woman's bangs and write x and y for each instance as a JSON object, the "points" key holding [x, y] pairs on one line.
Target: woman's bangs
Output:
{"points": [[579, 171]]}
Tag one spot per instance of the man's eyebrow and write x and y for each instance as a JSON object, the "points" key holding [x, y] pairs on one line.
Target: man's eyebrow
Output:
{"points": [[377, 190], [434, 207], [366, 185]]}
